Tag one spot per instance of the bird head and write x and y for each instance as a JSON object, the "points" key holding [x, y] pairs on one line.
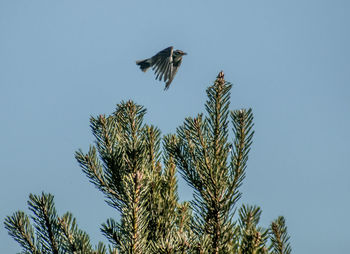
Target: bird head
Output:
{"points": [[180, 52]]}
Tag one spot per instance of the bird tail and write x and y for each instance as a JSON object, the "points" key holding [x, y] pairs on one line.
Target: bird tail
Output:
{"points": [[144, 64]]}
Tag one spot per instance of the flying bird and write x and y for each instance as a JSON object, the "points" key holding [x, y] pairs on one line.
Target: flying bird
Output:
{"points": [[164, 64]]}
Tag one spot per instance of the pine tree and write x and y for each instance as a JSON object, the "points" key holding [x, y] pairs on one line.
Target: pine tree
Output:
{"points": [[136, 169]]}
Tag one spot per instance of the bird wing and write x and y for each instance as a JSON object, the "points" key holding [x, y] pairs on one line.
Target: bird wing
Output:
{"points": [[174, 71], [163, 66]]}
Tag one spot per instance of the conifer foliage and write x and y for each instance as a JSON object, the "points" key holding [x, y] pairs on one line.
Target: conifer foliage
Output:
{"points": [[50, 233], [136, 169], [214, 167]]}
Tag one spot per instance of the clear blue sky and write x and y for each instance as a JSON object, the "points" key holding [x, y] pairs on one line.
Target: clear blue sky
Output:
{"points": [[62, 61]]}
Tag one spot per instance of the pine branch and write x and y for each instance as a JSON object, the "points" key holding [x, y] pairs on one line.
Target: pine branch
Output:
{"points": [[252, 238], [242, 121], [111, 229], [279, 237], [152, 142], [93, 169], [46, 223], [74, 239], [101, 249], [19, 228]]}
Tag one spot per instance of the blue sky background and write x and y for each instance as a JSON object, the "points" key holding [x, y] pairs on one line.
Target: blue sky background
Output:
{"points": [[63, 61]]}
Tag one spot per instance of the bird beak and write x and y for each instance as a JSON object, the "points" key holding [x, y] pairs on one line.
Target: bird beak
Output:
{"points": [[184, 53]]}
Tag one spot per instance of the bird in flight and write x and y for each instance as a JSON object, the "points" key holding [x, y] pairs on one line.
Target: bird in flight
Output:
{"points": [[165, 64]]}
